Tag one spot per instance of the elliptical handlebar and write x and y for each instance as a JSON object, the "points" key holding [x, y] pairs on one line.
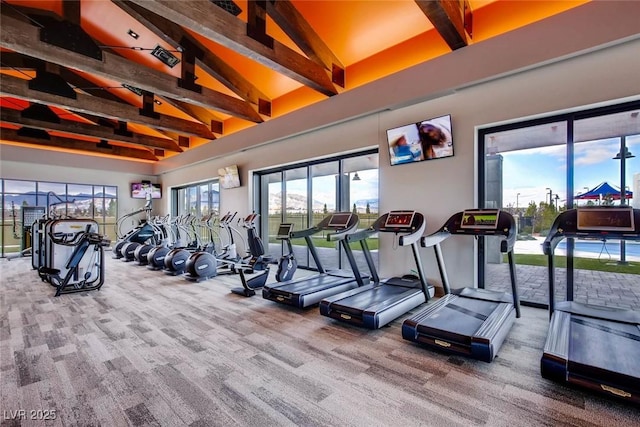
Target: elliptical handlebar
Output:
{"points": [[146, 209]]}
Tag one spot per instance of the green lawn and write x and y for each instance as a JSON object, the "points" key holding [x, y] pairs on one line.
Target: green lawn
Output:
{"points": [[579, 263], [321, 242]]}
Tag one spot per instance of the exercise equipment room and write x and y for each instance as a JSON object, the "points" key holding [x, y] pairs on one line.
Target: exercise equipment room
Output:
{"points": [[311, 213]]}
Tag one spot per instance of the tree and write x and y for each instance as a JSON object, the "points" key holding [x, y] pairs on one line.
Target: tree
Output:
{"points": [[355, 211], [368, 209], [325, 210], [111, 210]]}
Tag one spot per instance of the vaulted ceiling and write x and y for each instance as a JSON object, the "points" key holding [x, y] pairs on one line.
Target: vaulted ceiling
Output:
{"points": [[143, 80]]}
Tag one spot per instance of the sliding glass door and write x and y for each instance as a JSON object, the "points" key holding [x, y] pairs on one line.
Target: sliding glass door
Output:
{"points": [[537, 169], [304, 194]]}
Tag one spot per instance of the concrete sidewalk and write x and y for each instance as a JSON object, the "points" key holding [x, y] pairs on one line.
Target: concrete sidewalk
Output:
{"points": [[591, 287]]}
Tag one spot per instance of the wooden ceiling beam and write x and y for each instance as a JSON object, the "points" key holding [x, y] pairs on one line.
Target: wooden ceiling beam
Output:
{"points": [[87, 86], [84, 129], [19, 88], [76, 144], [24, 38], [209, 62], [205, 116], [208, 20], [447, 16], [284, 13]]}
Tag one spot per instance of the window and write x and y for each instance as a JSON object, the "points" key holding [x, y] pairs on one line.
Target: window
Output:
{"points": [[198, 199], [305, 193], [537, 169], [202, 201], [26, 201]]}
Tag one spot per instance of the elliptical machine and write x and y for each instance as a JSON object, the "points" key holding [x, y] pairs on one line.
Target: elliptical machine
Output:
{"points": [[127, 243], [141, 253], [202, 264], [157, 254], [175, 261]]}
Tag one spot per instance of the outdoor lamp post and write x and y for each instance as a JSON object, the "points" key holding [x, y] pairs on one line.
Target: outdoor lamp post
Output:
{"points": [[623, 192]]}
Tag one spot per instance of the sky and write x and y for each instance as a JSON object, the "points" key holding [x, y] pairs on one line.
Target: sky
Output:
{"points": [[533, 171], [324, 187]]}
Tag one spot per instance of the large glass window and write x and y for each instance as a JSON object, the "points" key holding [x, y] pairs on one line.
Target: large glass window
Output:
{"points": [[304, 194], [27, 201], [201, 202], [537, 169], [199, 199]]}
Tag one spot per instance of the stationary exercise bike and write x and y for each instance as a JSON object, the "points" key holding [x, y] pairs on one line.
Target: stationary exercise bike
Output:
{"points": [[286, 265], [85, 267]]}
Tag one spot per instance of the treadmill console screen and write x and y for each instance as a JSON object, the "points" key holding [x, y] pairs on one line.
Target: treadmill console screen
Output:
{"points": [[340, 220], [399, 219], [284, 231], [480, 219], [606, 219]]}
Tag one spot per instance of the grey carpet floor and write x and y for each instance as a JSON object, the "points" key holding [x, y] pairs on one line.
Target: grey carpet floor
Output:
{"points": [[156, 350]]}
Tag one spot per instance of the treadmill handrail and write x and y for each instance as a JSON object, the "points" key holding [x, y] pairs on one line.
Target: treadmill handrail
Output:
{"points": [[359, 235], [506, 227], [413, 237], [434, 238], [323, 225], [565, 226]]}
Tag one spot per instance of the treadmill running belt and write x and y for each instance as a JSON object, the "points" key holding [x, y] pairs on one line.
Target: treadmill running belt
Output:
{"points": [[475, 313], [600, 345], [373, 298], [468, 312]]}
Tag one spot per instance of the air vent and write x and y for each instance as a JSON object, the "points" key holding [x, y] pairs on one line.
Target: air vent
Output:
{"points": [[229, 6]]}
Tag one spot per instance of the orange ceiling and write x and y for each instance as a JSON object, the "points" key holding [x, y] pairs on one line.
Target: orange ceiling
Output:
{"points": [[372, 39]]}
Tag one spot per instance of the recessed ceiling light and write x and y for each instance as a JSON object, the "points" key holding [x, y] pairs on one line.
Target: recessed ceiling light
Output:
{"points": [[157, 102], [133, 34]]}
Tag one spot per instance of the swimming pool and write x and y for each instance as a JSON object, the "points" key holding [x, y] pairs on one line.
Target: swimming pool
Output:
{"points": [[601, 248]]}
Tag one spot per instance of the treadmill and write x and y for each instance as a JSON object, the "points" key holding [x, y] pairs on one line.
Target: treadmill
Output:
{"points": [[308, 291], [382, 301], [592, 346], [469, 321]]}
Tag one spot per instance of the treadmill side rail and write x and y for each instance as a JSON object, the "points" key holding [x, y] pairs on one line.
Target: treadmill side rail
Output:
{"points": [[553, 364]]}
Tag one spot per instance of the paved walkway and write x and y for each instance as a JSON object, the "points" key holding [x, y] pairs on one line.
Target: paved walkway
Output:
{"points": [[591, 287]]}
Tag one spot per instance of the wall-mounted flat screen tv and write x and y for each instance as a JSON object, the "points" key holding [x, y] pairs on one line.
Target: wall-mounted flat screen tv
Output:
{"points": [[424, 140], [139, 190], [229, 177]]}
